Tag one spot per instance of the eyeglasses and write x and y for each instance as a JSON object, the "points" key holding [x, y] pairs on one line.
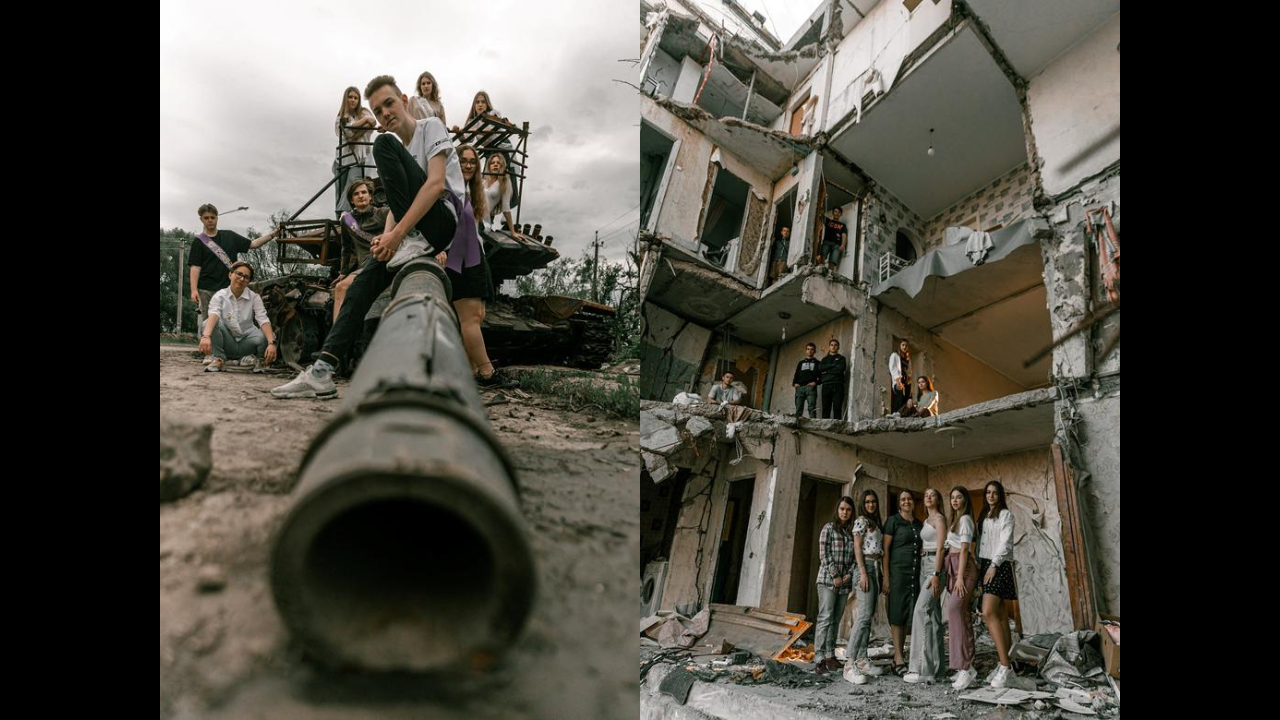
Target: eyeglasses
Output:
{"points": [[468, 162], [242, 276]]}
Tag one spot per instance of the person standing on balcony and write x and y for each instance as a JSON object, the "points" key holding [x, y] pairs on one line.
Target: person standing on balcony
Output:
{"points": [[835, 238], [805, 381], [832, 371], [781, 246], [900, 377]]}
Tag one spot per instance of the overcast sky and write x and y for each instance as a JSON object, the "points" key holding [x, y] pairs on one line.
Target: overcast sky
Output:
{"points": [[249, 91]]}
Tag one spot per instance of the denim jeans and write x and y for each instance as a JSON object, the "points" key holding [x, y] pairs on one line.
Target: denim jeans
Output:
{"points": [[860, 636], [831, 604], [927, 636], [809, 393]]}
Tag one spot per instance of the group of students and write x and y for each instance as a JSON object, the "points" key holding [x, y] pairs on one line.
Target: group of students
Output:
{"points": [[910, 562], [437, 198], [355, 125]]}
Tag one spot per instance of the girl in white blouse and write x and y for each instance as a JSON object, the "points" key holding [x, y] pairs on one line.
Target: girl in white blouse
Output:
{"points": [[354, 127], [995, 550], [497, 193]]}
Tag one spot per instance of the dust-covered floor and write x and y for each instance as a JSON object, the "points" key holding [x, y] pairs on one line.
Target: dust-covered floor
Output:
{"points": [[225, 652], [800, 695]]}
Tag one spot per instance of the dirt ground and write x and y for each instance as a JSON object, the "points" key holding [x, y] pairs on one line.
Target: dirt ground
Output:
{"points": [[226, 653], [883, 697]]}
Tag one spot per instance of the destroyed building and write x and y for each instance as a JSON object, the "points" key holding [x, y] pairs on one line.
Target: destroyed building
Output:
{"points": [[928, 122]]}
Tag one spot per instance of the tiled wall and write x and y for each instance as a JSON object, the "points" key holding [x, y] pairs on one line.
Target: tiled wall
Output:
{"points": [[999, 203]]}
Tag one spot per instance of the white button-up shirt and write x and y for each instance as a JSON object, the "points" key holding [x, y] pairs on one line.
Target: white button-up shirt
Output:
{"points": [[239, 313], [997, 537]]}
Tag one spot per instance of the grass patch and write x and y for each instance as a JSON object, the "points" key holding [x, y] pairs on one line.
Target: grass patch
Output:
{"points": [[617, 395], [178, 339]]}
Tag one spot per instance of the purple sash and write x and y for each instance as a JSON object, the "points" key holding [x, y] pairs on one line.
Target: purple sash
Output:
{"points": [[465, 251], [214, 248], [350, 221]]}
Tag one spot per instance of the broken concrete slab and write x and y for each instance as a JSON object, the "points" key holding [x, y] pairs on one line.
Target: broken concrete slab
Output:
{"points": [[657, 467], [698, 426], [656, 436], [186, 455]]}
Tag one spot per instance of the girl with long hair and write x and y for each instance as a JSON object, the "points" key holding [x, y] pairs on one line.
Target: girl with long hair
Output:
{"points": [[426, 100], [497, 193], [927, 636], [995, 567], [353, 126], [868, 549], [962, 577], [835, 575]]}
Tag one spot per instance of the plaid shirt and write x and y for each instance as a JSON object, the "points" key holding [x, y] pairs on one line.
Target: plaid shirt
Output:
{"points": [[835, 553]]}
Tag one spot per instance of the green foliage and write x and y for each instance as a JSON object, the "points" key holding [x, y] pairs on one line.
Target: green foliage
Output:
{"points": [[617, 395], [617, 287]]}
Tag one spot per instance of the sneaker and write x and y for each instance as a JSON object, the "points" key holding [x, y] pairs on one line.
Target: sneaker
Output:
{"points": [[866, 667], [497, 380], [821, 669], [853, 675], [834, 663], [1001, 676], [912, 677], [207, 359], [249, 361], [411, 247], [214, 365], [307, 385], [964, 679]]}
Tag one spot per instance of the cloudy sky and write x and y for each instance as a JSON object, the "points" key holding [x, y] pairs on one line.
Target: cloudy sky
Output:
{"points": [[249, 91]]}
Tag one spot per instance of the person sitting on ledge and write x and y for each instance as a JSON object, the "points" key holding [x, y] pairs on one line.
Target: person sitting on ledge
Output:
{"points": [[926, 405]]}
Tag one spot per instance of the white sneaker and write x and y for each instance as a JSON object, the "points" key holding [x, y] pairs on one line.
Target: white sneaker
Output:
{"points": [[964, 679], [912, 677], [1000, 678], [249, 361], [853, 675], [411, 247], [207, 359], [307, 385], [866, 667]]}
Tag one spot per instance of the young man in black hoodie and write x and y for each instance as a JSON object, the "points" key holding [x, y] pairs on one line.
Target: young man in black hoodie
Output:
{"points": [[805, 381], [832, 370]]}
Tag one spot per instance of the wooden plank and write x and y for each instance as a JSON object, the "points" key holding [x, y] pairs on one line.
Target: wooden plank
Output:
{"points": [[748, 611], [1079, 580], [755, 624]]}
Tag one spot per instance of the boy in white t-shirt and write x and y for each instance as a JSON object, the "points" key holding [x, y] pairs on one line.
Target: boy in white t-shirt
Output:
{"points": [[417, 164]]}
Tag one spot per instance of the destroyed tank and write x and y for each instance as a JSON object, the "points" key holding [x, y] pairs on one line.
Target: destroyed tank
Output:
{"points": [[542, 329], [517, 331]]}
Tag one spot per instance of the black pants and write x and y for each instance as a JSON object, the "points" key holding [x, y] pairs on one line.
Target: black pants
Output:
{"points": [[402, 178], [899, 397], [832, 400]]}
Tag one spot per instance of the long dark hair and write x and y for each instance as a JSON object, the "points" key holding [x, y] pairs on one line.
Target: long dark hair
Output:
{"points": [[835, 515], [476, 185], [966, 510], [928, 384], [872, 519], [1001, 505]]}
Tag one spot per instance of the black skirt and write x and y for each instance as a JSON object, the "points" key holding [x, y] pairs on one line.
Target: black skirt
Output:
{"points": [[472, 282], [1002, 584]]}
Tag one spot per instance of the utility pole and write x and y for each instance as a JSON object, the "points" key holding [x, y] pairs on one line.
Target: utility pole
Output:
{"points": [[595, 269], [178, 324]]}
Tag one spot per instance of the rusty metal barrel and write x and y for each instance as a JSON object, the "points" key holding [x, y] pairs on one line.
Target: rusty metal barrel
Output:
{"points": [[404, 548]]}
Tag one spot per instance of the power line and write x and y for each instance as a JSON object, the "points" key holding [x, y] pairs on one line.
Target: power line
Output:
{"points": [[618, 218], [624, 228]]}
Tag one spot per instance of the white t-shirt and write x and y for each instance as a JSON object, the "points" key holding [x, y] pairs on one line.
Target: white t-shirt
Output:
{"points": [[430, 139], [494, 204], [963, 534]]}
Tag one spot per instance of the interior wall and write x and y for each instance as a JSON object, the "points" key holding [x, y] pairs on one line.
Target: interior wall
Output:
{"points": [[960, 379], [656, 526], [750, 364], [999, 203], [1039, 569], [663, 71], [1075, 110], [790, 354], [883, 216]]}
